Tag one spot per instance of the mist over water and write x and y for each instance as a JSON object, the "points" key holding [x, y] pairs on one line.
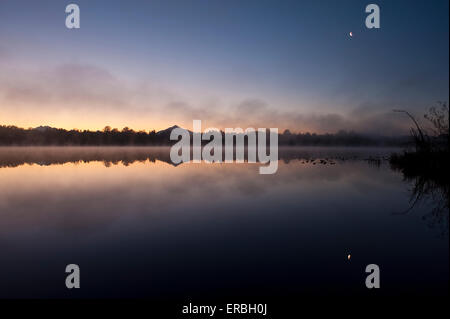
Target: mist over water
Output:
{"points": [[139, 226]]}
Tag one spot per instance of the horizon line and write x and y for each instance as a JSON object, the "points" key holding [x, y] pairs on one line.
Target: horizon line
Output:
{"points": [[148, 131]]}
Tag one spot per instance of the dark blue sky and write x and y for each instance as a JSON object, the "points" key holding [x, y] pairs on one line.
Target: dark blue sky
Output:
{"points": [[230, 63]]}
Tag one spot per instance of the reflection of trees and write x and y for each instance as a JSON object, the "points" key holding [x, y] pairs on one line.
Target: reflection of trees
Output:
{"points": [[17, 156], [425, 189], [429, 187], [110, 155]]}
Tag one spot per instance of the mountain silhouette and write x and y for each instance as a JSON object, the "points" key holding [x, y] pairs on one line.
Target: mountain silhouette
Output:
{"points": [[167, 130]]}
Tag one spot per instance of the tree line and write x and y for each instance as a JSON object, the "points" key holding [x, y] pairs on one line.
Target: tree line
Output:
{"points": [[43, 136]]}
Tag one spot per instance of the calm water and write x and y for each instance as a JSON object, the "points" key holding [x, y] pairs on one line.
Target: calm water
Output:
{"points": [[140, 227]]}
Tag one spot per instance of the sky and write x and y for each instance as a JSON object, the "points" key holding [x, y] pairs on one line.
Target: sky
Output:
{"points": [[230, 63]]}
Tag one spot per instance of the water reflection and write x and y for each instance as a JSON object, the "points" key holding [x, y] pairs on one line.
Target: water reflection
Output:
{"points": [[91, 187], [209, 229], [17, 156], [431, 190]]}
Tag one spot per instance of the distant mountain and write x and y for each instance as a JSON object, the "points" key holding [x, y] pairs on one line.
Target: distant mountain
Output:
{"points": [[167, 130], [43, 128]]}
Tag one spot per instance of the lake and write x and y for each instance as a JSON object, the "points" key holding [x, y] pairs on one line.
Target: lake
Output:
{"points": [[139, 226]]}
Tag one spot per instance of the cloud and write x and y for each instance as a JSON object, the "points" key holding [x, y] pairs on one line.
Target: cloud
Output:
{"points": [[88, 91], [68, 84]]}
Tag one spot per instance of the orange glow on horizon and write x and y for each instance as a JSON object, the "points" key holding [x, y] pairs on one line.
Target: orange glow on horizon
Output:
{"points": [[95, 124]]}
